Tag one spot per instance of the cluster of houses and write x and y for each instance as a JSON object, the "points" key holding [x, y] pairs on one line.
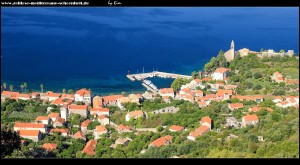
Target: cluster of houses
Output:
{"points": [[97, 106]]}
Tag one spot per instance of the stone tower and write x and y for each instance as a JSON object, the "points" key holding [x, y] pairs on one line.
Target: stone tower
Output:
{"points": [[232, 45], [229, 55], [64, 112]]}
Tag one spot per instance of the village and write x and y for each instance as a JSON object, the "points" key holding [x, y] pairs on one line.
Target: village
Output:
{"points": [[96, 108]]}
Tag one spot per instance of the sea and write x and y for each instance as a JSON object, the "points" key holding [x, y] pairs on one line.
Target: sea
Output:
{"points": [[96, 47]]}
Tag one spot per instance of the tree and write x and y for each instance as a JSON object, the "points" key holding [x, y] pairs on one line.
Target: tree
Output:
{"points": [[42, 88], [257, 87], [11, 87], [22, 87], [64, 90], [10, 141], [4, 85], [25, 85], [70, 91]]}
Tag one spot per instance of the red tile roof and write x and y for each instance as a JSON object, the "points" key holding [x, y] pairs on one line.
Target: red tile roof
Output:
{"points": [[101, 128], [198, 80], [176, 128], [79, 134], [60, 120], [236, 105], [206, 79], [53, 115], [102, 117], [30, 125], [28, 96], [9, 93], [90, 147], [49, 146], [86, 123], [39, 118], [111, 98], [77, 107], [162, 141], [166, 90], [224, 91], [51, 94], [249, 118], [255, 109], [83, 92], [221, 70], [122, 127], [100, 110], [62, 130], [29, 132], [206, 119], [136, 113]]}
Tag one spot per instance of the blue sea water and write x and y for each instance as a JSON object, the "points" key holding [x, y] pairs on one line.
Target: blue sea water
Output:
{"points": [[96, 47]]}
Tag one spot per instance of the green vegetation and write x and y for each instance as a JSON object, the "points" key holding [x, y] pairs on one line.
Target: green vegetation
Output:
{"points": [[178, 82], [279, 129]]}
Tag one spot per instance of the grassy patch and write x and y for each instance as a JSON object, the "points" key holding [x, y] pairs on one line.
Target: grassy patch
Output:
{"points": [[292, 72]]}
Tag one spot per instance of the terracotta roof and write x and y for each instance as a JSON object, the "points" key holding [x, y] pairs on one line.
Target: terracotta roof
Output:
{"points": [[202, 129], [249, 118], [60, 101], [206, 119], [62, 130], [221, 70], [176, 128], [199, 131], [278, 97], [69, 96], [224, 91], [199, 92], [166, 90], [29, 132], [86, 123], [206, 79], [77, 107], [34, 93], [90, 147], [136, 113], [51, 94], [284, 102], [255, 109], [111, 98], [60, 120], [198, 80], [24, 95], [277, 73], [30, 125], [236, 105], [122, 127], [269, 109], [79, 134], [100, 110], [50, 146], [102, 117], [53, 115], [101, 128], [42, 118], [161, 141], [83, 92], [9, 93]]}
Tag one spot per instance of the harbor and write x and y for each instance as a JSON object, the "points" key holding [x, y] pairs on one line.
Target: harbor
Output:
{"points": [[148, 84], [142, 76]]}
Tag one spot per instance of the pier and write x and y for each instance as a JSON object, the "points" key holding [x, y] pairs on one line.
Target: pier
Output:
{"points": [[142, 76]]}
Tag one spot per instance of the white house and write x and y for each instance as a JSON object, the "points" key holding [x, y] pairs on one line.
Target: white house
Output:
{"points": [[220, 74], [168, 92], [83, 95], [134, 114]]}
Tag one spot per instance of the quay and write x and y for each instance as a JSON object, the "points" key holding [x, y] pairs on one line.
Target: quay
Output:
{"points": [[142, 76]]}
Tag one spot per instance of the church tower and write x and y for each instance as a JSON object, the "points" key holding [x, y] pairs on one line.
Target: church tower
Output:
{"points": [[229, 55], [232, 45]]}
